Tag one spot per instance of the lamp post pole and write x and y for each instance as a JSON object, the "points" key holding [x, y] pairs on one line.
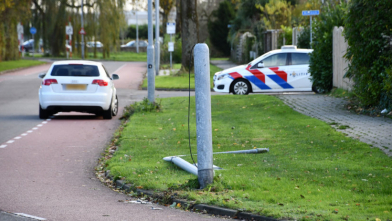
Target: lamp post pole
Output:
{"points": [[150, 57], [157, 46], [82, 43]]}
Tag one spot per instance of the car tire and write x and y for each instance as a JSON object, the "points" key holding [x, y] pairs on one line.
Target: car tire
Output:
{"points": [[115, 107], [240, 87], [317, 90], [108, 114], [112, 111], [43, 114]]}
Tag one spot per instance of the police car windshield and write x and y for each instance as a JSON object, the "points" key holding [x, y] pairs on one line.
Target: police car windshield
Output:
{"points": [[261, 57]]}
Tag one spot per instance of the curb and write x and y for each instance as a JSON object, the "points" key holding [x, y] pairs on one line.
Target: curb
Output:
{"points": [[207, 209], [168, 89], [171, 89]]}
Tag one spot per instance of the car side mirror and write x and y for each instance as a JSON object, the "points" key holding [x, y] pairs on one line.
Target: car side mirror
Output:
{"points": [[42, 75], [115, 77], [260, 65]]}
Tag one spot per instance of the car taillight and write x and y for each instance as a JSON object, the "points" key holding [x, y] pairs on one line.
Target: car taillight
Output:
{"points": [[100, 82], [49, 82]]}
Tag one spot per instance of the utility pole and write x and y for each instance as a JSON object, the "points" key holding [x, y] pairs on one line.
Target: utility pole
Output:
{"points": [[203, 115], [150, 57], [82, 44], [137, 34], [157, 46]]}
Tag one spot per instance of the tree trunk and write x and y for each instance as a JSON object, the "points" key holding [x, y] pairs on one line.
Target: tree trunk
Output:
{"points": [[178, 18], [189, 31]]}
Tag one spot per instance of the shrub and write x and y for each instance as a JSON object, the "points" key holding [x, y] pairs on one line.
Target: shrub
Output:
{"points": [[320, 67], [368, 33], [218, 29], [304, 38]]}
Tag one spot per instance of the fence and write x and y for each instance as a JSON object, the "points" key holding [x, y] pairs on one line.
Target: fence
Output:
{"points": [[270, 40], [297, 31], [340, 64]]}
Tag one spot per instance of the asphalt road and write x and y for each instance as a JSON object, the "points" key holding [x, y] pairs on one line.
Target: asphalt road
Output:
{"points": [[47, 167]]}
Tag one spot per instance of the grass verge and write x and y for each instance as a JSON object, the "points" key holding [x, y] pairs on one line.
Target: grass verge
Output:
{"points": [[11, 65], [114, 56], [179, 81], [312, 172]]}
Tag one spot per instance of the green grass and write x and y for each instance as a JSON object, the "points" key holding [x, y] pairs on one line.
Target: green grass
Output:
{"points": [[121, 56], [114, 56], [167, 66], [312, 172], [219, 59], [179, 81], [11, 65], [341, 93]]}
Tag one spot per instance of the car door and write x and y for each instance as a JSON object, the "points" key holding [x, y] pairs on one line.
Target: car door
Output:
{"points": [[298, 74], [273, 71]]}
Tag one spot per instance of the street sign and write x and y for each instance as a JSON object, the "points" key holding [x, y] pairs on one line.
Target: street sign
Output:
{"points": [[310, 12], [69, 30], [171, 28], [19, 28], [82, 32], [33, 30], [171, 46]]}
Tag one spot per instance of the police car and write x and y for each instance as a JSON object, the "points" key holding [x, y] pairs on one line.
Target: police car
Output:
{"points": [[286, 69]]}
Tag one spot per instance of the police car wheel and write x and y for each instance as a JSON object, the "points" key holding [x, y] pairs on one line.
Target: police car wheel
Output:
{"points": [[317, 90], [241, 87]]}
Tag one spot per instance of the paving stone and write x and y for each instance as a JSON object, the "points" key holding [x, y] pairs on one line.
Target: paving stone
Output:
{"points": [[376, 131]]}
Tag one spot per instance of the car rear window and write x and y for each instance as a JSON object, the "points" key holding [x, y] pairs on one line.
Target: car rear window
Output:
{"points": [[75, 70], [299, 58]]}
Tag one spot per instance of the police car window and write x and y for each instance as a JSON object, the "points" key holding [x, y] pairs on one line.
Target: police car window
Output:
{"points": [[275, 60], [299, 58]]}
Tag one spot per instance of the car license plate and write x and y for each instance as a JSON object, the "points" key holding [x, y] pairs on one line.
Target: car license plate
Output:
{"points": [[78, 87]]}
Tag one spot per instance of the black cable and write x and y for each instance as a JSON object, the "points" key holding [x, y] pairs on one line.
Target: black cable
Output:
{"points": [[189, 105]]}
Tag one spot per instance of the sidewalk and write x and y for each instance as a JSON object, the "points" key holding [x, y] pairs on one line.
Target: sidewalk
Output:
{"points": [[375, 131]]}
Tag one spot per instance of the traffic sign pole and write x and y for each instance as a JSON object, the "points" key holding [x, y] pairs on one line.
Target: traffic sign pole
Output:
{"points": [[310, 32], [171, 29], [310, 13], [33, 31]]}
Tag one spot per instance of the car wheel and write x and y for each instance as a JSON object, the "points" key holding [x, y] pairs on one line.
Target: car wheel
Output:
{"points": [[240, 87], [43, 114], [115, 107], [317, 90], [112, 111], [108, 114]]}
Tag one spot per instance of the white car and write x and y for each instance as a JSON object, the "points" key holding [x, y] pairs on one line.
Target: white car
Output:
{"points": [[285, 69], [133, 44], [92, 44], [83, 86]]}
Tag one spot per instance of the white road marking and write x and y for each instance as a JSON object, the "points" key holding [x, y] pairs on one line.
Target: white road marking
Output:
{"points": [[25, 134], [30, 216]]}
